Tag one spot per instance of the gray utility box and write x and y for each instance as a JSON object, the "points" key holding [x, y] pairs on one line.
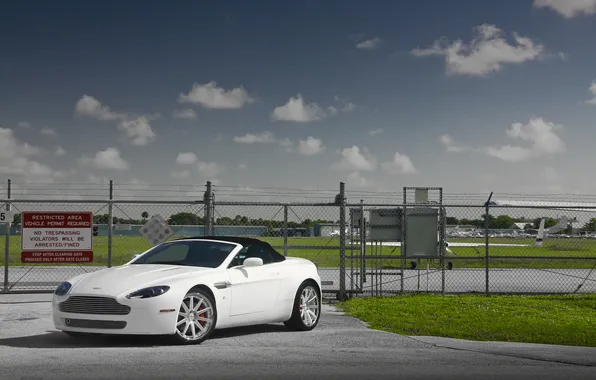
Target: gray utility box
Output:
{"points": [[422, 229], [386, 224]]}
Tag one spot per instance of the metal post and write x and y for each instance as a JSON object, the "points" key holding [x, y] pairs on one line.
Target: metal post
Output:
{"points": [[441, 250], [486, 245], [285, 230], [110, 223], [7, 240], [404, 227], [362, 246], [342, 241], [207, 201]]}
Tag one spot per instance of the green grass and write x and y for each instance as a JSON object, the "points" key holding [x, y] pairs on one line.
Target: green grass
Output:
{"points": [[563, 320], [467, 257]]}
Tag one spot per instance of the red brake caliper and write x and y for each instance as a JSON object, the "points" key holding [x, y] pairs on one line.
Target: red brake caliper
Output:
{"points": [[202, 315]]}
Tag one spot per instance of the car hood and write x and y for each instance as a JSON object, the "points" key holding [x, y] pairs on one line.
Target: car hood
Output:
{"points": [[116, 280]]}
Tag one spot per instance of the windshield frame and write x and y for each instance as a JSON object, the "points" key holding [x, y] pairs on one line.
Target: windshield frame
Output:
{"points": [[143, 257]]}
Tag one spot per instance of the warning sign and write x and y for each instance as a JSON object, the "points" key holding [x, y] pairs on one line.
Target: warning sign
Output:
{"points": [[57, 257], [51, 237]]}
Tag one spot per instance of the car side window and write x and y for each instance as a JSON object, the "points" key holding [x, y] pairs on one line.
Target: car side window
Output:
{"points": [[252, 251]]}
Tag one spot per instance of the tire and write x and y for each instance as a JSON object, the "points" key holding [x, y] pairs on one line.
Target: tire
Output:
{"points": [[296, 321], [196, 327]]}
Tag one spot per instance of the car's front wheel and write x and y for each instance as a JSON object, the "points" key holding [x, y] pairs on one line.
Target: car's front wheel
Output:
{"points": [[306, 311], [196, 317]]}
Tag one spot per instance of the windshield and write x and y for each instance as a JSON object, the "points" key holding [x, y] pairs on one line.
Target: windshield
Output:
{"points": [[188, 252]]}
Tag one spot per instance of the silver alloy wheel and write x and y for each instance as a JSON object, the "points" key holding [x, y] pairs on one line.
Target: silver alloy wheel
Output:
{"points": [[195, 317], [309, 306]]}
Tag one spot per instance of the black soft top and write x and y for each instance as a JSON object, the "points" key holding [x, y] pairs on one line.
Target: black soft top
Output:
{"points": [[233, 239], [244, 241]]}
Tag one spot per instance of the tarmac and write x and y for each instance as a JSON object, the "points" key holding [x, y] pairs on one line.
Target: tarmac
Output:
{"points": [[340, 347]]}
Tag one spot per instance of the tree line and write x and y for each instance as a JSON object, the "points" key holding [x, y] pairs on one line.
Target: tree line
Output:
{"points": [[189, 218]]}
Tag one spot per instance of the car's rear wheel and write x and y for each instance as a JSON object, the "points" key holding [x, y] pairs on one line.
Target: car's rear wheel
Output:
{"points": [[196, 317], [306, 311]]}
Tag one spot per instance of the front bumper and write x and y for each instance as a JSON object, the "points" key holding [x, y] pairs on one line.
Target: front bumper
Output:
{"points": [[152, 316]]}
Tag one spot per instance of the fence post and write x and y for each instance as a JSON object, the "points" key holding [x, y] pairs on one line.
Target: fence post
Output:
{"points": [[342, 241], [110, 222], [285, 230], [486, 244], [207, 199], [7, 239]]}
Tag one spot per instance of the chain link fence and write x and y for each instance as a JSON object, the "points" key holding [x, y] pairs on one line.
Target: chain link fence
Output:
{"points": [[481, 247]]}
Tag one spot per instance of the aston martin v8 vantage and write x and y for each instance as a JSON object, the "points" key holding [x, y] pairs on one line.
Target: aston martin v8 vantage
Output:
{"points": [[189, 287]]}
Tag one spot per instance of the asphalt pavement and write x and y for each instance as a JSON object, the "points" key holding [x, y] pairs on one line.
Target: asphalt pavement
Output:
{"points": [[341, 347]]}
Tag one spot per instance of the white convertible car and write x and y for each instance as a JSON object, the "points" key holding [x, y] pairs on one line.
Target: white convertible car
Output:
{"points": [[186, 288]]}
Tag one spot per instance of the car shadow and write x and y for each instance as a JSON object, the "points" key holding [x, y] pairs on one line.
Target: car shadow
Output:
{"points": [[58, 339]]}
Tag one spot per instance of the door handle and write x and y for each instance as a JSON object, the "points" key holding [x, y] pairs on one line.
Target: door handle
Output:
{"points": [[222, 285]]}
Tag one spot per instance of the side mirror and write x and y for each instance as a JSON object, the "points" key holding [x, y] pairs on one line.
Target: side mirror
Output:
{"points": [[253, 262]]}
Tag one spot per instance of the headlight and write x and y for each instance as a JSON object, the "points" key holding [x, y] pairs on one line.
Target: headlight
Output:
{"points": [[63, 288], [153, 291]]}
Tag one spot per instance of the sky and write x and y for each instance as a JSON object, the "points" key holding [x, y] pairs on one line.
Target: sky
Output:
{"points": [[472, 95]]}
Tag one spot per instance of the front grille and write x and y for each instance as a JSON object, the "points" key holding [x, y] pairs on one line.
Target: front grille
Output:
{"points": [[91, 324], [93, 305]]}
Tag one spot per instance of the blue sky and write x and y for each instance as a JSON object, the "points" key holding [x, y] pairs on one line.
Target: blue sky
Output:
{"points": [[470, 95]]}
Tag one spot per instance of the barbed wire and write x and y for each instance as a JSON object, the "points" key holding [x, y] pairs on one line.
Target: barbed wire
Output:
{"points": [[134, 190]]}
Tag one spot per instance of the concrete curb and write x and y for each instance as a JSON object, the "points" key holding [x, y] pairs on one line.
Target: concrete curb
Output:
{"points": [[575, 355]]}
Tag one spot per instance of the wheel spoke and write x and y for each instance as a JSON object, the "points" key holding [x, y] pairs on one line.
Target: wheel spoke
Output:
{"points": [[197, 314], [196, 308], [309, 306]]}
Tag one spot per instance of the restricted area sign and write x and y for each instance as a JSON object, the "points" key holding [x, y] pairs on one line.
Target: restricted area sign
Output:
{"points": [[56, 237]]}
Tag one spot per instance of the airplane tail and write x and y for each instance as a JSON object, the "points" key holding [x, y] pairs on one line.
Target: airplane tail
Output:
{"points": [[540, 235], [562, 224]]}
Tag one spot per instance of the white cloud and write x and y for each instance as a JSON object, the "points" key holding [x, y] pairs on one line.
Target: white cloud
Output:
{"points": [[106, 159], [298, 111], [209, 169], [568, 8], [450, 145], [354, 159], [347, 105], [487, 53], [286, 143], [401, 164], [186, 158], [538, 135], [211, 96], [59, 151], [369, 44], [184, 114], [356, 180], [254, 138], [374, 132], [15, 158], [138, 130], [592, 90], [310, 146], [90, 107], [48, 132]]}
